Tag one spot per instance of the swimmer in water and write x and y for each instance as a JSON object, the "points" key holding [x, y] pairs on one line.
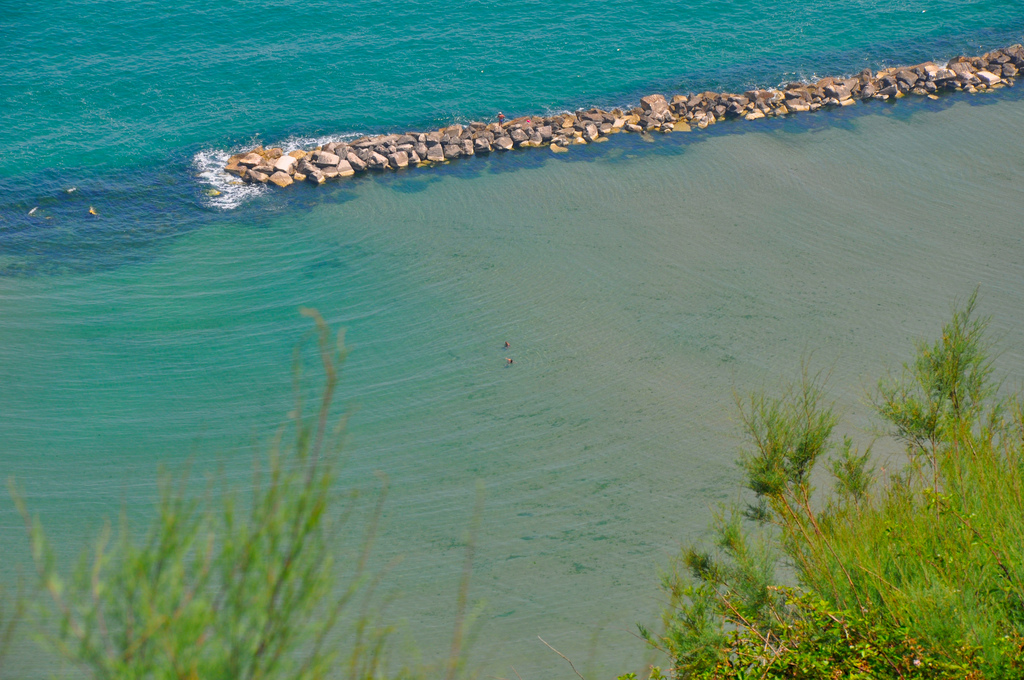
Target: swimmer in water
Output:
{"points": [[510, 362], [507, 345]]}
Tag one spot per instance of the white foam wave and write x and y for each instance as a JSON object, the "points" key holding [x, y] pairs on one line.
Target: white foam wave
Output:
{"points": [[209, 165]]}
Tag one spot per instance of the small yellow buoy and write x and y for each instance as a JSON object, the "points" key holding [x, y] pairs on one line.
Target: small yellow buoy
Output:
{"points": [[92, 211]]}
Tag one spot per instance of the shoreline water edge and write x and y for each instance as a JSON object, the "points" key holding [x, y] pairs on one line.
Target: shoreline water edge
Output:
{"points": [[655, 113]]}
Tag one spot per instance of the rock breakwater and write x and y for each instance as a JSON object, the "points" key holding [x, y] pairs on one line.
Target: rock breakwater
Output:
{"points": [[655, 113]]}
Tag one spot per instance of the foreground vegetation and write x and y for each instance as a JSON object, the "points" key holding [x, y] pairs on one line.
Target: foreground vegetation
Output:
{"points": [[917, 572], [270, 581]]}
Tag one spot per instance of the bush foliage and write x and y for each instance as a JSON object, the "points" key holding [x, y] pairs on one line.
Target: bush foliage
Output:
{"points": [[270, 581], [916, 574]]}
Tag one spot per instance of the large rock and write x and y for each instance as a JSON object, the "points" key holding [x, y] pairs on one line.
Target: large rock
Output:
{"points": [[840, 89], [734, 109], [251, 160], [908, 77], [503, 143], [281, 179], [467, 146], [590, 132], [325, 158], [435, 153], [377, 162], [452, 151], [285, 164], [316, 177], [655, 103], [255, 177], [481, 145], [518, 136], [399, 159], [345, 169], [357, 163], [987, 77], [961, 68]]}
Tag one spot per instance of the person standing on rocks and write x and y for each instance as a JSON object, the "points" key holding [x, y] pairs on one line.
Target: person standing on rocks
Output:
{"points": [[501, 118]]}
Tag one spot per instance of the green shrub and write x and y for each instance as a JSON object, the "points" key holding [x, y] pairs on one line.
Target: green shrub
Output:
{"points": [[920, 574], [241, 585]]}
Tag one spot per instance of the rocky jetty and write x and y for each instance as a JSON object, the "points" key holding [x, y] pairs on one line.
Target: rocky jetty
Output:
{"points": [[655, 113]]}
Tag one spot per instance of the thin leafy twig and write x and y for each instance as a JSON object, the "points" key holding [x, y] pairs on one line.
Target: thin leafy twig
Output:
{"points": [[563, 656]]}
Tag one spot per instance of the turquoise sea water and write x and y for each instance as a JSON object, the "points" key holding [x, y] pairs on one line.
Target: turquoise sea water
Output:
{"points": [[638, 283]]}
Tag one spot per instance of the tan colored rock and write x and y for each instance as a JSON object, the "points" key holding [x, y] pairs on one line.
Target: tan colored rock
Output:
{"points": [[558, 149], [285, 164], [251, 160], [398, 160], [435, 153], [298, 154], [377, 162], [326, 159], [345, 169], [987, 77], [281, 179], [681, 126], [655, 103]]}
